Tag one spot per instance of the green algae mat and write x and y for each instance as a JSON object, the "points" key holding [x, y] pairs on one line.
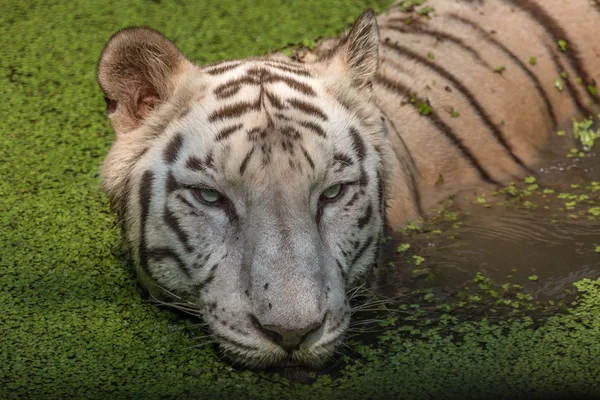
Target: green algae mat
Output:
{"points": [[72, 321]]}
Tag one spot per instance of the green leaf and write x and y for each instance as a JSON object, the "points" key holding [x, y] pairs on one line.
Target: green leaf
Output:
{"points": [[402, 247], [418, 260], [424, 108], [562, 45], [425, 10], [558, 84]]}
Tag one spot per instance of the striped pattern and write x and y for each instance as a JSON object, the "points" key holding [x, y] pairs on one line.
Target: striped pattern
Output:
{"points": [[470, 61]]}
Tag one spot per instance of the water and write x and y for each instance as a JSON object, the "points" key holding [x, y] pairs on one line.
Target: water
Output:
{"points": [[544, 249]]}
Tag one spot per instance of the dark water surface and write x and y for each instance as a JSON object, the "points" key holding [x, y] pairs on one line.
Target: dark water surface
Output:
{"points": [[544, 249]]}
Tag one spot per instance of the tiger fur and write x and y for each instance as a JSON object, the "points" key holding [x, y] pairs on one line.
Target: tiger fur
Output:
{"points": [[257, 189]]}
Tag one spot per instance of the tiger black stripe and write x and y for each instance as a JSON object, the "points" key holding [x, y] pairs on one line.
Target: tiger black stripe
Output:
{"points": [[173, 147], [362, 249], [409, 165], [221, 68], [308, 157], [145, 193], [358, 144], [536, 82], [185, 112], [380, 197], [416, 195], [226, 132], [195, 164], [567, 84], [442, 127], [293, 69], [162, 253], [245, 161], [363, 180], [414, 189], [556, 31], [352, 200], [265, 76], [255, 132], [187, 204], [467, 94], [292, 83], [274, 100], [170, 186], [173, 223], [307, 108], [234, 110], [290, 133], [365, 218], [258, 78], [231, 88], [311, 126], [201, 260], [414, 29], [342, 160], [341, 268], [211, 275], [209, 160]]}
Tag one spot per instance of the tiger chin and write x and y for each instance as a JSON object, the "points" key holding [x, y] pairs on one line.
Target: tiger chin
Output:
{"points": [[257, 189]]}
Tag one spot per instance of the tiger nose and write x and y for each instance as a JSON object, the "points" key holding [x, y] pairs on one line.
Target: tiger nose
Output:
{"points": [[287, 338]]}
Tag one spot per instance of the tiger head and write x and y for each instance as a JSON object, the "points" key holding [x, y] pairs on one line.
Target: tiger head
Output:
{"points": [[252, 188]]}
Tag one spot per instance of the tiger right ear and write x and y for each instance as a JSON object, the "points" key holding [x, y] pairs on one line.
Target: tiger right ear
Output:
{"points": [[138, 70], [358, 50]]}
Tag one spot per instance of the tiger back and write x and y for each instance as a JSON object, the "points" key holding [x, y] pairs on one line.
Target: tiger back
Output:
{"points": [[256, 190], [491, 80]]}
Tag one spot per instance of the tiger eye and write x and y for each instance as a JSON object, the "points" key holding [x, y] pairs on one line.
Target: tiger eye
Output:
{"points": [[209, 195], [332, 191]]}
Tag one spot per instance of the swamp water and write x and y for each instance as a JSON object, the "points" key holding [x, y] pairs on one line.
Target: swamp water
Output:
{"points": [[522, 245]]}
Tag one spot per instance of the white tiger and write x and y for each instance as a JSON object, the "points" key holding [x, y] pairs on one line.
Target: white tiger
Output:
{"points": [[257, 189]]}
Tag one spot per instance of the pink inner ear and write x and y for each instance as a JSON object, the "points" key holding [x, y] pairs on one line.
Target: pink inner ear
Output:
{"points": [[146, 105]]}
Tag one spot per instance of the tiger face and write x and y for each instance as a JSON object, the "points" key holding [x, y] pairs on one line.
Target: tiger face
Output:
{"points": [[253, 189]]}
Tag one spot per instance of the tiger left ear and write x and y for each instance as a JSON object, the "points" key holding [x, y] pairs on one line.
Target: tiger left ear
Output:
{"points": [[139, 69], [358, 50]]}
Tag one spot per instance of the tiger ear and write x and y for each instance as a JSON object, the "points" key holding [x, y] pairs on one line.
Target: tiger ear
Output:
{"points": [[138, 70], [358, 50]]}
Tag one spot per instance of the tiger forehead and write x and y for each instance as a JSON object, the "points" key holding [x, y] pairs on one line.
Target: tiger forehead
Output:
{"points": [[269, 103], [269, 114], [230, 79], [277, 89]]}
